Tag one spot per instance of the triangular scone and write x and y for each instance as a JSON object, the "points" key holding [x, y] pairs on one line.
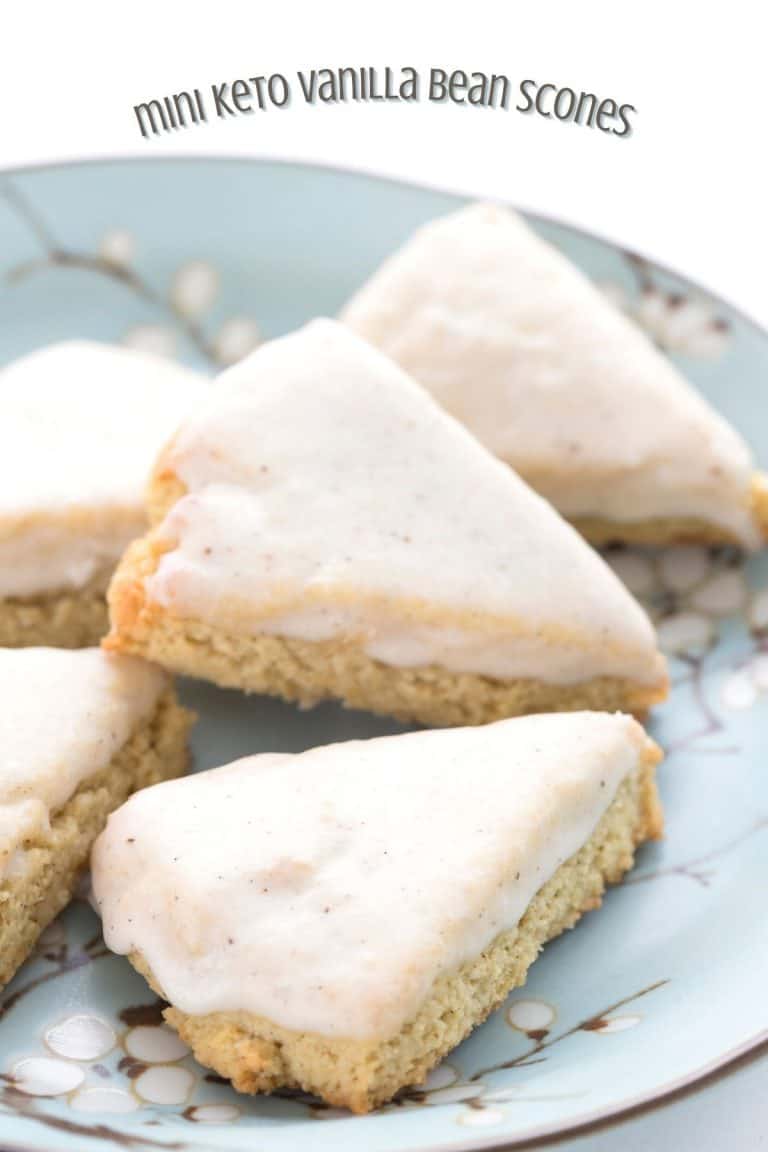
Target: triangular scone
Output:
{"points": [[338, 920], [514, 341], [324, 529], [79, 731], [81, 425]]}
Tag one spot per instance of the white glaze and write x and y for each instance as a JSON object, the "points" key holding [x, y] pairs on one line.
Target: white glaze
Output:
{"points": [[80, 426], [329, 496], [326, 891], [513, 340], [65, 714]]}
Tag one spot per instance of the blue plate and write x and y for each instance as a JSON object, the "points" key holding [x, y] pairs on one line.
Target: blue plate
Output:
{"points": [[201, 259]]}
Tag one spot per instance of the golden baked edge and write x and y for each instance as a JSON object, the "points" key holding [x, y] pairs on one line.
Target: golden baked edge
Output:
{"points": [[360, 1074], [676, 530], [309, 671], [65, 618], [32, 898]]}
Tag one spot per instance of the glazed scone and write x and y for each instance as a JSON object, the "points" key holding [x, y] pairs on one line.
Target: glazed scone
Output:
{"points": [[516, 343], [79, 731], [338, 920], [80, 428], [324, 529]]}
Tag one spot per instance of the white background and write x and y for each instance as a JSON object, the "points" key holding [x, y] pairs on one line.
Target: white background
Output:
{"points": [[689, 187]]}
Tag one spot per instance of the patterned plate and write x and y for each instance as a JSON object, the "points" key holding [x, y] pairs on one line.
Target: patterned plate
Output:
{"points": [[201, 260]]}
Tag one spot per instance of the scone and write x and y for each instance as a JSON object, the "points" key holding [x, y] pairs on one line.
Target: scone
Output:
{"points": [[79, 731], [514, 341], [338, 920], [80, 427], [324, 529]]}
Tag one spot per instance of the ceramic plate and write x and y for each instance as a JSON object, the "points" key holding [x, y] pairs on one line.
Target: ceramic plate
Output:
{"points": [[201, 259]]}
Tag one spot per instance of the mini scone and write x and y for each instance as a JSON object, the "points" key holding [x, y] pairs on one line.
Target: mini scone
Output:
{"points": [[79, 731], [338, 920], [324, 529], [80, 428], [513, 340]]}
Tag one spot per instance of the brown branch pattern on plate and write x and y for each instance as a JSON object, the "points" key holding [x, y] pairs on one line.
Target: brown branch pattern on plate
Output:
{"points": [[696, 869], [544, 1041], [64, 962], [57, 255]]}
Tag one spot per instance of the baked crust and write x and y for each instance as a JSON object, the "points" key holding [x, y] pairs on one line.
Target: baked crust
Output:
{"points": [[676, 530], [258, 1055], [33, 896], [65, 618], [309, 671]]}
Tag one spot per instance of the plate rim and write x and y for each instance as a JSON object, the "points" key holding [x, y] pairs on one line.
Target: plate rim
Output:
{"points": [[364, 173], [608, 1115]]}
